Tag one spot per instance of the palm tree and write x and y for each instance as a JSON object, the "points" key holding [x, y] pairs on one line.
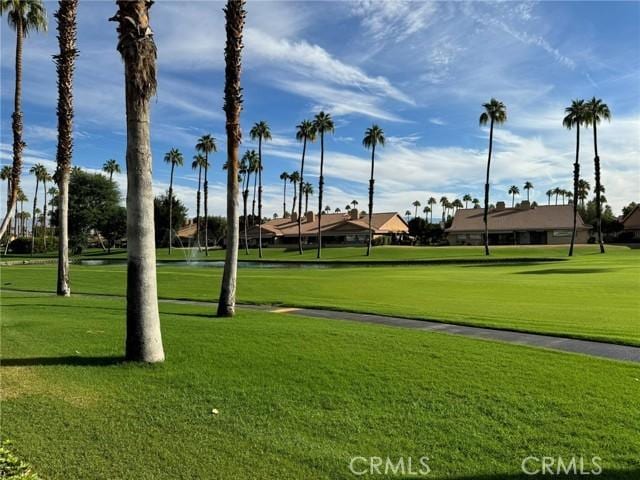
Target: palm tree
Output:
{"points": [[495, 112], [305, 132], [354, 204], [65, 64], [528, 186], [250, 163], [466, 199], [24, 16], [431, 202], [294, 178], [476, 203], [254, 169], [138, 51], [569, 196], [174, 158], [327, 209], [444, 201], [22, 198], [199, 162], [597, 110], [206, 145], [111, 166], [262, 133], [39, 171], [557, 191], [513, 191], [583, 191], [549, 193], [372, 136], [563, 193], [323, 123], [407, 214], [45, 178], [337, 210], [307, 190], [416, 204], [426, 211], [235, 16], [284, 176], [5, 174], [576, 114], [457, 204]]}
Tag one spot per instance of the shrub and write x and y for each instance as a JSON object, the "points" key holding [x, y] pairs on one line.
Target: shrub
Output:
{"points": [[11, 467], [22, 245]]}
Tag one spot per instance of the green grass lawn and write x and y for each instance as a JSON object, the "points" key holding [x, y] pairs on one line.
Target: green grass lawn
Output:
{"points": [[297, 397], [589, 296]]}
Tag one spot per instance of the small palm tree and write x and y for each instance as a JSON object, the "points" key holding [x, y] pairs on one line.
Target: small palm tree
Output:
{"points": [[45, 178], [528, 186], [261, 132], [372, 136], [576, 115], [337, 210], [495, 112], [40, 172], [549, 194], [5, 174], [354, 204], [431, 202], [284, 176], [294, 178], [111, 166], [307, 190], [206, 145], [513, 191], [476, 203], [597, 111], [416, 204], [407, 215], [457, 204], [466, 199], [174, 158], [444, 201], [24, 16], [249, 163], [569, 196], [557, 191], [199, 162], [327, 209], [583, 191], [323, 123], [305, 132], [426, 211], [22, 198]]}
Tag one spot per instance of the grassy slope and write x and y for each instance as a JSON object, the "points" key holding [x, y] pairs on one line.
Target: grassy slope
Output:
{"points": [[354, 254], [590, 296], [297, 397]]}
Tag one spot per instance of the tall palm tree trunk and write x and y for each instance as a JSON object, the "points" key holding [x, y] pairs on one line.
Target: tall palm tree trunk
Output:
{"points": [[260, 197], [371, 183], [295, 198], [253, 202], [44, 216], [198, 207], [486, 194], [206, 205], [306, 203], [576, 179], [596, 164], [171, 207], [33, 218], [284, 198], [301, 186], [320, 191], [245, 197], [138, 50], [235, 17], [17, 127]]}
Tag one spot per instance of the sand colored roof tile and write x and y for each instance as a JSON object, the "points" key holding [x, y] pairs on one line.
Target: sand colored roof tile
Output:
{"points": [[546, 217]]}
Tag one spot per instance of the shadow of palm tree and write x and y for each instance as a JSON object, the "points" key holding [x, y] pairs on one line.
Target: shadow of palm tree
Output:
{"points": [[59, 361]]}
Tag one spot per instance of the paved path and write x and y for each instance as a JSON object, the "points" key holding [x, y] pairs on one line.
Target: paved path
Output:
{"points": [[586, 347]]}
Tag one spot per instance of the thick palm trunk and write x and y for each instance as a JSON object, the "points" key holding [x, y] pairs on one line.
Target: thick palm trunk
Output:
{"points": [[284, 198], [576, 179], [371, 182], [33, 218], [198, 207], [320, 191], [206, 205], [138, 50], [596, 164], [253, 202], [171, 207], [260, 197], [486, 194], [300, 212], [16, 126], [63, 285], [235, 15], [44, 216]]}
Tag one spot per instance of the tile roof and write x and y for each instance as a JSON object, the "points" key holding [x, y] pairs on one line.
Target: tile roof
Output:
{"points": [[545, 217]]}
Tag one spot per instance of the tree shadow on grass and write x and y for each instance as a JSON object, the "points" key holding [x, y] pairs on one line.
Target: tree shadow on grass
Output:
{"points": [[563, 271], [61, 361]]}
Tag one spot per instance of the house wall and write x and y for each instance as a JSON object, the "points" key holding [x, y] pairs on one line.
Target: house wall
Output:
{"points": [[563, 237]]}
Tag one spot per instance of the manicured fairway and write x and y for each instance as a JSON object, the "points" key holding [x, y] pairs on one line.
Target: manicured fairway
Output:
{"points": [[590, 296], [297, 397]]}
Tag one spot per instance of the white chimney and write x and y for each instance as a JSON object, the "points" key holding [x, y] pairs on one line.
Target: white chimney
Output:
{"points": [[310, 217], [353, 214]]}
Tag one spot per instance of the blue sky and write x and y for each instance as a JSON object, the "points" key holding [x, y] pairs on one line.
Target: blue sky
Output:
{"points": [[421, 70]]}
